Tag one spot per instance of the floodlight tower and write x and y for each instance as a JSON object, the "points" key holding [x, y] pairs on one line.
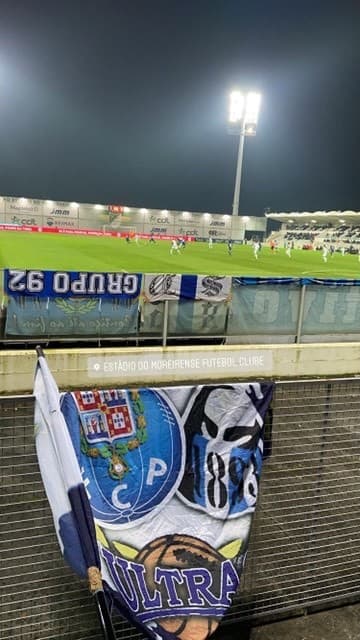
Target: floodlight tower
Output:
{"points": [[243, 118]]}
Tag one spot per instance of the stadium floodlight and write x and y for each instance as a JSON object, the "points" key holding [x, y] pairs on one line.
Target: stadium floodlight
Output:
{"points": [[237, 104], [252, 108], [243, 118]]}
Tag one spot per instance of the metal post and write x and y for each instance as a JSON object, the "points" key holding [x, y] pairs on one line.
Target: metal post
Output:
{"points": [[300, 315], [235, 209], [165, 323]]}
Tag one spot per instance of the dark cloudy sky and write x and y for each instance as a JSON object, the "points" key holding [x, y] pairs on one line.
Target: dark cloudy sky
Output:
{"points": [[126, 101]]}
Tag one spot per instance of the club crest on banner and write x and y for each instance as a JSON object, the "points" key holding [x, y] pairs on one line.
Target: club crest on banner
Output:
{"points": [[130, 447]]}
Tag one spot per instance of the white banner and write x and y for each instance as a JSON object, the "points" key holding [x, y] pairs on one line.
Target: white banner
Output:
{"points": [[170, 286]]}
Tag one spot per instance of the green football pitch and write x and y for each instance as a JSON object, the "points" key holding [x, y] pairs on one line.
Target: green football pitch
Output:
{"points": [[23, 250]]}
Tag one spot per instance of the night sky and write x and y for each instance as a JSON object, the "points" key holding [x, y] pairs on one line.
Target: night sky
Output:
{"points": [[127, 101]]}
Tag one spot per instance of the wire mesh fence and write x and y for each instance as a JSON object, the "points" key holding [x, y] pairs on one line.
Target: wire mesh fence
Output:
{"points": [[305, 542]]}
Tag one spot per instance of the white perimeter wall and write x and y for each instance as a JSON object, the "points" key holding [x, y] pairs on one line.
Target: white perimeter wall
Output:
{"points": [[106, 368], [48, 213]]}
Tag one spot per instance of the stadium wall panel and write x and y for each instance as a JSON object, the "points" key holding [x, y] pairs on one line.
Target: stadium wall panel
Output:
{"points": [[179, 365], [28, 211]]}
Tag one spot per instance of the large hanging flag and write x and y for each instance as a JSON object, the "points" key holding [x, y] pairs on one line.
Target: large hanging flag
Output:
{"points": [[172, 477]]}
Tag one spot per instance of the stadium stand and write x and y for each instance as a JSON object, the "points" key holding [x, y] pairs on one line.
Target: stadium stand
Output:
{"points": [[318, 229]]}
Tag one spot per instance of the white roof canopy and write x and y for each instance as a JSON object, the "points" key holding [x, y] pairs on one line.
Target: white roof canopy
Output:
{"points": [[313, 217]]}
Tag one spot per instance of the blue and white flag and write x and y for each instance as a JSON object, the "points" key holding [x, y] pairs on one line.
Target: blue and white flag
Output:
{"points": [[59, 469], [73, 520], [170, 286], [172, 476]]}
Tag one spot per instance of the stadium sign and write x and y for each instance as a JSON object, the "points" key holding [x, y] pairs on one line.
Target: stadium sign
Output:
{"points": [[60, 212], [116, 208], [159, 230], [22, 221], [68, 284], [66, 223], [164, 220], [22, 208]]}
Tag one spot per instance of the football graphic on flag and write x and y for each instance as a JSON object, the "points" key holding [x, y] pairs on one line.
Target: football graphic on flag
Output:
{"points": [[174, 552], [130, 449]]}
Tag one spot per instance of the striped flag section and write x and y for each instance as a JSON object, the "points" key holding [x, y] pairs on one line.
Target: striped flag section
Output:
{"points": [[170, 286], [65, 490]]}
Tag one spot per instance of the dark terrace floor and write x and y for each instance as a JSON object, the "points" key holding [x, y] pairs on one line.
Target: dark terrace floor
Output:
{"points": [[336, 624], [342, 623]]}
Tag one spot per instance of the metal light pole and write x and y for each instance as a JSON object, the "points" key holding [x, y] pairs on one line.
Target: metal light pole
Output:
{"points": [[245, 220], [243, 117], [235, 208]]}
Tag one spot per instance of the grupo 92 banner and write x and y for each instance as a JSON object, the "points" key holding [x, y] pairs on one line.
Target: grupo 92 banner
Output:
{"points": [[71, 284], [172, 476]]}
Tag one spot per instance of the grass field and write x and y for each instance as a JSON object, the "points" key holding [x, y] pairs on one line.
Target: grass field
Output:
{"points": [[24, 250]]}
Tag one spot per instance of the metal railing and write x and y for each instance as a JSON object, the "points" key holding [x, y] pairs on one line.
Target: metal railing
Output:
{"points": [[305, 542], [269, 313]]}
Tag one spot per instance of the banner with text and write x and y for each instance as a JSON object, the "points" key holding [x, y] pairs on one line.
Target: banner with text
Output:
{"points": [[94, 317], [265, 309], [170, 286], [270, 306], [172, 476], [72, 284], [199, 317], [185, 317]]}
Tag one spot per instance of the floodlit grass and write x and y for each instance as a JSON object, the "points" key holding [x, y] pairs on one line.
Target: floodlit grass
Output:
{"points": [[24, 250]]}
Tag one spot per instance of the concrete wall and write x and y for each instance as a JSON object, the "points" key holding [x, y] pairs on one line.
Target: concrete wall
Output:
{"points": [[49, 213], [74, 368]]}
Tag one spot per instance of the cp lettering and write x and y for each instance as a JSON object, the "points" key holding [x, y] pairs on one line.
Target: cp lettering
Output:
{"points": [[157, 469]]}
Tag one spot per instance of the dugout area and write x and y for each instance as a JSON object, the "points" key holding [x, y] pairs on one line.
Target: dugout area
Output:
{"points": [[305, 543]]}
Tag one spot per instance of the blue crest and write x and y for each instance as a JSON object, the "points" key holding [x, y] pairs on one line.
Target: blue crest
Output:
{"points": [[129, 445]]}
